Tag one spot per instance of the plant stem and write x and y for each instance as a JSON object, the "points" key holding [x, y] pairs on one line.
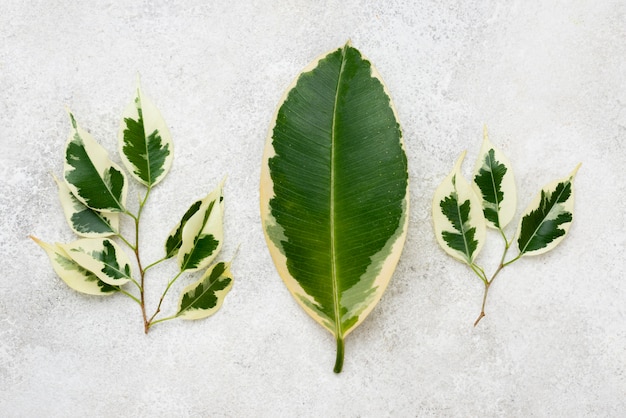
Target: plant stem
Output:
{"points": [[507, 245], [339, 359], [158, 309]]}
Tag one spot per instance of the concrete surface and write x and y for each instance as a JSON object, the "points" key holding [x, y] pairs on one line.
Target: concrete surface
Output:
{"points": [[549, 79]]}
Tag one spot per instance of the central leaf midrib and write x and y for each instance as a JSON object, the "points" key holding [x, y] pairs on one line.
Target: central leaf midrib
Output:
{"points": [[333, 250], [543, 219], [495, 189]]}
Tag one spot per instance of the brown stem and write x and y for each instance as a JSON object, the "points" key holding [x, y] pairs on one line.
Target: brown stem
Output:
{"points": [[487, 284]]}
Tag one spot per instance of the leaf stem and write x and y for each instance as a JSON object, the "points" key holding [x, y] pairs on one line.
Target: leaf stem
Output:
{"points": [[162, 320], [158, 309], [129, 295], [340, 355], [149, 266]]}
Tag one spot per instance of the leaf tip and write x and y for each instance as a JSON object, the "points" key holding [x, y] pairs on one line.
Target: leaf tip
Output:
{"points": [[573, 174], [459, 161], [485, 133]]}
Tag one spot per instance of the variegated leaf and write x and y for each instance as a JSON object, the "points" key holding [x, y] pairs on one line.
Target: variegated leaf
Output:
{"points": [[145, 143], [175, 238], [72, 273], [205, 297], [83, 220], [91, 176], [494, 183], [103, 257], [334, 191], [203, 233], [548, 218], [458, 218]]}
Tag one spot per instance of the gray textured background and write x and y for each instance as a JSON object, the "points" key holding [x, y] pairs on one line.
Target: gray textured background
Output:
{"points": [[549, 79]]}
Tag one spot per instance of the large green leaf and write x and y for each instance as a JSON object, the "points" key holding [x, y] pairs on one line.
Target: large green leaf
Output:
{"points": [[75, 276], [145, 143], [547, 219], [102, 257], [458, 217], [495, 184], [334, 191], [91, 176], [83, 220], [205, 297], [203, 233]]}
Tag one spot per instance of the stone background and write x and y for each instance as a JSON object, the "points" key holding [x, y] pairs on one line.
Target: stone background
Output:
{"points": [[547, 77]]}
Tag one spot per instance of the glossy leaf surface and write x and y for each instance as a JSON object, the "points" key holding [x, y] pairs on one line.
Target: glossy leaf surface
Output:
{"points": [[75, 276], [91, 176], [83, 220], [547, 219], [205, 297], [102, 257], [145, 142], [495, 185], [203, 233], [334, 191], [458, 217]]}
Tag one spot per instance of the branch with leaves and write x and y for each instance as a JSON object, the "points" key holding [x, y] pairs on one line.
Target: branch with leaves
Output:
{"points": [[462, 212], [93, 196]]}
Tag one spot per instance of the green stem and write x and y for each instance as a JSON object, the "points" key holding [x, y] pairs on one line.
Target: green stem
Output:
{"points": [[158, 309], [129, 295], [340, 352], [163, 320], [149, 266]]}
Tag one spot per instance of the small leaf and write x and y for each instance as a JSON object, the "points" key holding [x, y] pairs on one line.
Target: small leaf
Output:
{"points": [[72, 273], [205, 297], [175, 239], [83, 220], [547, 219], [91, 176], [103, 257], [458, 218], [495, 184], [145, 143], [203, 233]]}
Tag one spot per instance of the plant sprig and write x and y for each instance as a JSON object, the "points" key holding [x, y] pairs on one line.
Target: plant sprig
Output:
{"points": [[93, 196], [463, 211]]}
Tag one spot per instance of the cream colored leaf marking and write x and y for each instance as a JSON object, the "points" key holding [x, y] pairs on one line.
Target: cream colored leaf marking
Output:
{"points": [[455, 184], [102, 164], [73, 207], [201, 228], [506, 207], [555, 211], [73, 274], [101, 256]]}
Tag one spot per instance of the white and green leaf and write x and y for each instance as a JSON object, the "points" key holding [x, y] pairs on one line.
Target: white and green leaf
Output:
{"points": [[494, 183], [145, 143], [205, 297], [334, 191], [548, 218], [72, 273], [203, 233], [83, 220], [175, 238], [458, 218], [91, 176], [103, 257]]}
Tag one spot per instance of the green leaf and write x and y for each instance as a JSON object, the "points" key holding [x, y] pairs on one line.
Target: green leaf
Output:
{"points": [[205, 297], [547, 219], [72, 273], [91, 176], [334, 191], [83, 220], [102, 257], [495, 184], [203, 233], [146, 147], [175, 238], [458, 218]]}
